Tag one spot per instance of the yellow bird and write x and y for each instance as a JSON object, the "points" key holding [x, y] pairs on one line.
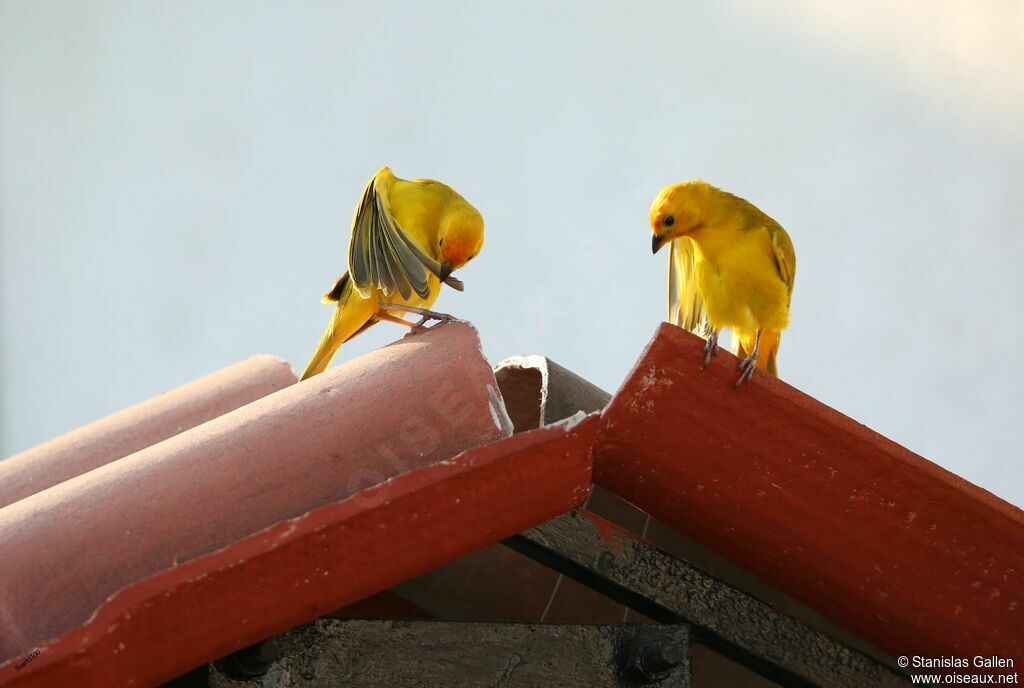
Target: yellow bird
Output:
{"points": [[730, 266], [407, 238]]}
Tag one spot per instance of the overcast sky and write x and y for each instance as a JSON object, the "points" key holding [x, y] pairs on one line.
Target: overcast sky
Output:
{"points": [[176, 182]]}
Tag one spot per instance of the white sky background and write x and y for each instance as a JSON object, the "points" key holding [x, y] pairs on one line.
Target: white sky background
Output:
{"points": [[176, 182]]}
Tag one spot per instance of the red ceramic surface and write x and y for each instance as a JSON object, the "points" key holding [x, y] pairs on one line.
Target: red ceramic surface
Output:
{"points": [[898, 550]]}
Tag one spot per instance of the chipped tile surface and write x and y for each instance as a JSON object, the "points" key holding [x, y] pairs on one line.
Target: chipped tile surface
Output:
{"points": [[873, 536]]}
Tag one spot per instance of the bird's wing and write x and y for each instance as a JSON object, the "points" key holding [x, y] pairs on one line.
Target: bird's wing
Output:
{"points": [[381, 254], [685, 305], [785, 256]]}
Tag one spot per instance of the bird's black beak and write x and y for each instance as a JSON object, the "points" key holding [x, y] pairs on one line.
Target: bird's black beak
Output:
{"points": [[657, 242], [445, 275]]}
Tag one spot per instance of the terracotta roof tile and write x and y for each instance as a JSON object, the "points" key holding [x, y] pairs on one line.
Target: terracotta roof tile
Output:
{"points": [[419, 401], [139, 426], [296, 570]]}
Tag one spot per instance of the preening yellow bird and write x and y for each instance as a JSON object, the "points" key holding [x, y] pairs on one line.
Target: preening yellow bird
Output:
{"points": [[730, 266], [407, 238]]}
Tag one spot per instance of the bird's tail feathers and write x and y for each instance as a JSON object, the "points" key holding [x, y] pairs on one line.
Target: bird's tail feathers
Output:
{"points": [[351, 316], [334, 295]]}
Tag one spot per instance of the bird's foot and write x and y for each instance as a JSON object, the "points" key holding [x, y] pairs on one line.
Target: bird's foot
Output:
{"points": [[746, 369], [710, 348], [441, 319], [425, 316]]}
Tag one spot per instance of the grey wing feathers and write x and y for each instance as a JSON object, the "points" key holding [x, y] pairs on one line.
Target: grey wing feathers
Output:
{"points": [[685, 305], [381, 255]]}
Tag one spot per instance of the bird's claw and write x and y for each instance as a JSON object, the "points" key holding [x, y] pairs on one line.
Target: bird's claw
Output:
{"points": [[746, 368], [427, 316], [710, 348], [424, 314]]}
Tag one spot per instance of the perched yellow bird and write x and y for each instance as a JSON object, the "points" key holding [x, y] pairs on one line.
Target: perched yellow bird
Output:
{"points": [[407, 237], [730, 266]]}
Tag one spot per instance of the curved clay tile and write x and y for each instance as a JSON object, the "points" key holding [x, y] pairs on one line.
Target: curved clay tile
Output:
{"points": [[414, 403], [139, 426], [296, 570]]}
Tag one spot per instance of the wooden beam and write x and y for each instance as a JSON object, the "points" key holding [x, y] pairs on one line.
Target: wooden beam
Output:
{"points": [[616, 563], [432, 654]]}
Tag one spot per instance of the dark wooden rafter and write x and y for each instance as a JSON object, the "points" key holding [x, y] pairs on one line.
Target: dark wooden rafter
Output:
{"points": [[432, 654], [669, 590]]}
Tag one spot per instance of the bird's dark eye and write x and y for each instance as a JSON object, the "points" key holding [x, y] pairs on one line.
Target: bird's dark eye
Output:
{"points": [[669, 221]]}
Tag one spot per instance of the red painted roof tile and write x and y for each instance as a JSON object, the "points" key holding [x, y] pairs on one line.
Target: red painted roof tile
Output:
{"points": [[891, 546]]}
